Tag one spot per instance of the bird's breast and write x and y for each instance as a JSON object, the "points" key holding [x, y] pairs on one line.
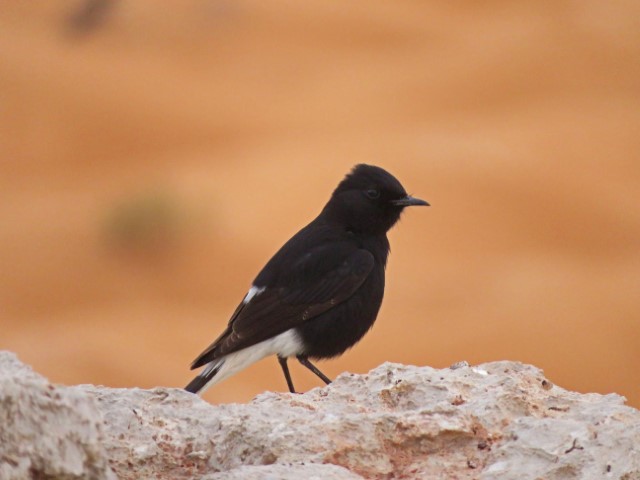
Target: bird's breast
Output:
{"points": [[341, 327]]}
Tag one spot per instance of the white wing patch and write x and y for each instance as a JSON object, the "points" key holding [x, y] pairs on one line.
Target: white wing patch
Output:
{"points": [[253, 291]]}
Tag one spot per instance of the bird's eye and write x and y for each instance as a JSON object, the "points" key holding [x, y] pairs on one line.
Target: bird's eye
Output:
{"points": [[373, 193]]}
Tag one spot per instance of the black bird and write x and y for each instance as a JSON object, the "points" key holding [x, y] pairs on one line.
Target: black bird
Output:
{"points": [[321, 292]]}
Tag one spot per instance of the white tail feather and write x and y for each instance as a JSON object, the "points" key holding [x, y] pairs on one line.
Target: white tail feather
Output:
{"points": [[286, 344]]}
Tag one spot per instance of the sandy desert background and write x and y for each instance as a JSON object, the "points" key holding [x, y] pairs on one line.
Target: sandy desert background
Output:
{"points": [[154, 156]]}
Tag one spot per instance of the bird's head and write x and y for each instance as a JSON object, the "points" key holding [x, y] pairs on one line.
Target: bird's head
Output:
{"points": [[369, 200]]}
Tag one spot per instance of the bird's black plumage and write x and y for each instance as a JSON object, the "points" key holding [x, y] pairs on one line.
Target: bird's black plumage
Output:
{"points": [[321, 292]]}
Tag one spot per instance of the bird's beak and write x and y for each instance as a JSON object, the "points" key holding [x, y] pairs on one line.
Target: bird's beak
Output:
{"points": [[409, 201]]}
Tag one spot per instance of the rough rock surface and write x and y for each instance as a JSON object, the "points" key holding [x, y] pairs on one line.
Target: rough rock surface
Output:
{"points": [[500, 420], [47, 432]]}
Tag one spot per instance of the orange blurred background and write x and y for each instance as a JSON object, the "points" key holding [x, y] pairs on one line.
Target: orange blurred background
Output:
{"points": [[153, 157]]}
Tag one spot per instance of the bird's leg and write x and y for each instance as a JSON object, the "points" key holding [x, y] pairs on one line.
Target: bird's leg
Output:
{"points": [[305, 361], [287, 375]]}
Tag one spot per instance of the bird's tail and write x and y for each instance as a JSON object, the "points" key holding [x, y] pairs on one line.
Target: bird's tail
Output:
{"points": [[205, 379], [223, 367]]}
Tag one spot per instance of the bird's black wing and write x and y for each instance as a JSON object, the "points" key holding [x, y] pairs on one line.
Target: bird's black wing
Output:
{"points": [[318, 282]]}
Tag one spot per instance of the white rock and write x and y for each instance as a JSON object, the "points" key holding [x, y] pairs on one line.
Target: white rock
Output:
{"points": [[395, 422], [47, 431]]}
